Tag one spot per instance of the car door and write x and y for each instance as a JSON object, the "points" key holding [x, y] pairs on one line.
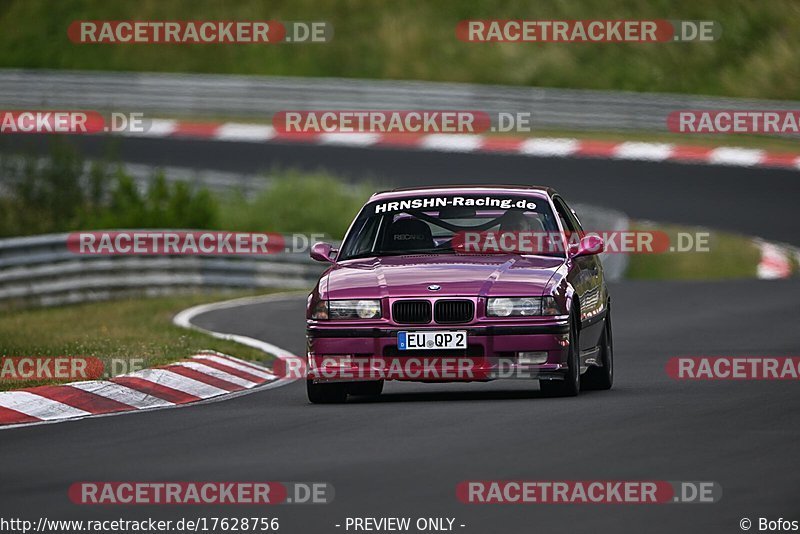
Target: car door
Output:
{"points": [[586, 276]]}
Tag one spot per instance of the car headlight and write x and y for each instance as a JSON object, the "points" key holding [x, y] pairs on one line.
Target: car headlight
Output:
{"points": [[521, 306], [353, 309]]}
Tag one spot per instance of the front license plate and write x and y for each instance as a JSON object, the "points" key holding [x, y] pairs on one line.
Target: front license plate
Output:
{"points": [[431, 340]]}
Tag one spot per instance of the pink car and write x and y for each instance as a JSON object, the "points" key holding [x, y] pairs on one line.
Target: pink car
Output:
{"points": [[460, 284]]}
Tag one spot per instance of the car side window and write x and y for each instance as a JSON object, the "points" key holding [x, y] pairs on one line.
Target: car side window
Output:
{"points": [[363, 241], [571, 215], [568, 221], [574, 217]]}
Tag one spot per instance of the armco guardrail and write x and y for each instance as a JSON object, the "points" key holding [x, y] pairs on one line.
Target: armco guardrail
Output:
{"points": [[258, 96], [41, 270]]}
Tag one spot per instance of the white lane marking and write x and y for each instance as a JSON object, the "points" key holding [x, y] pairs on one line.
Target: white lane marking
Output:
{"points": [[216, 373], [132, 397], [746, 157], [349, 139], [643, 151], [544, 146], [39, 407], [163, 377], [230, 363], [184, 319], [452, 142], [232, 131]]}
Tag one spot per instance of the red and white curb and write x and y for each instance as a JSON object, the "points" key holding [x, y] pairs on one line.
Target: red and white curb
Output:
{"points": [[775, 261], [207, 376], [203, 376], [524, 146]]}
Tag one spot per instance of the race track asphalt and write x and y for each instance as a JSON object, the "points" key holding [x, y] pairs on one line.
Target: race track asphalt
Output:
{"points": [[404, 454]]}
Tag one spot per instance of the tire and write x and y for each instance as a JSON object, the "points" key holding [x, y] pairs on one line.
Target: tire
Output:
{"points": [[326, 393], [571, 385], [370, 388], [600, 378]]}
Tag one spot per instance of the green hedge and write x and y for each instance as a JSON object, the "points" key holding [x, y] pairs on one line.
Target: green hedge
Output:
{"points": [[56, 195]]}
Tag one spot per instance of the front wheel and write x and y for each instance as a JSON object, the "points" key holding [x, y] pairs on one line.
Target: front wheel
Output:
{"points": [[599, 378], [571, 385], [332, 393]]}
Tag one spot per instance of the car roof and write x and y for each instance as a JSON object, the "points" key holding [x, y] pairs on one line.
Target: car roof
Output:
{"points": [[466, 189]]}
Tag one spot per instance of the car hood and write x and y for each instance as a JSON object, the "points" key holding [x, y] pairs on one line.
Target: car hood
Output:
{"points": [[464, 275]]}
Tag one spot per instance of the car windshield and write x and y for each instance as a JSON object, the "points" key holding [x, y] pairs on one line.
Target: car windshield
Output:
{"points": [[443, 224]]}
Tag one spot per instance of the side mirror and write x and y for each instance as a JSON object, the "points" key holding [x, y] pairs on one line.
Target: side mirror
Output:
{"points": [[588, 246], [323, 252]]}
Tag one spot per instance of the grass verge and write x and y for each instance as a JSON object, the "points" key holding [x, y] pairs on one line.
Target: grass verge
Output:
{"points": [[124, 330]]}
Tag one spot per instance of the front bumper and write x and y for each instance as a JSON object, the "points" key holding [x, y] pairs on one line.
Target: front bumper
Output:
{"points": [[337, 353]]}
